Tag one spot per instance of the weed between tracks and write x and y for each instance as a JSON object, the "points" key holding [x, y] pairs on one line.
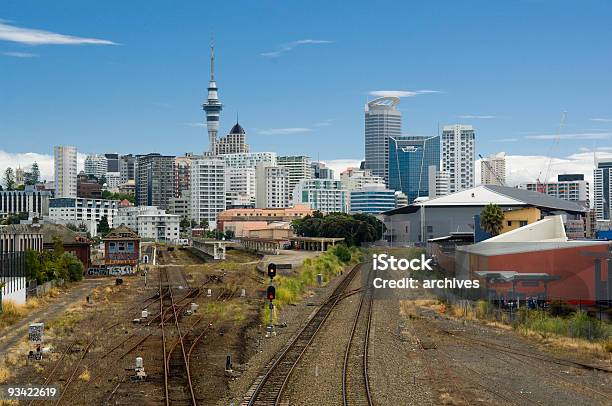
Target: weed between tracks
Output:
{"points": [[291, 289]]}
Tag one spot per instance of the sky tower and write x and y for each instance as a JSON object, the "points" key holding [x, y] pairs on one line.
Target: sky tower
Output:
{"points": [[213, 106]]}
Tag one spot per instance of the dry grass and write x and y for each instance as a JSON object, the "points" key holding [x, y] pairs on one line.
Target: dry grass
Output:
{"points": [[85, 375], [409, 308], [9, 402], [11, 313], [579, 346], [5, 374]]}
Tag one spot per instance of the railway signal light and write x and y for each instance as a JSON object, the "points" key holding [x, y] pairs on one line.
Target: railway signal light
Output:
{"points": [[271, 293], [271, 270]]}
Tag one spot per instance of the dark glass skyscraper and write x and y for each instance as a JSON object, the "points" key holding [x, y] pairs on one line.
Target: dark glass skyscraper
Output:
{"points": [[408, 161]]}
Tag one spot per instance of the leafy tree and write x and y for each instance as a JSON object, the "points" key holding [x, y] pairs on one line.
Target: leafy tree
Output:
{"points": [[102, 180], [9, 179], [229, 235], [185, 223], [32, 177], [492, 219], [14, 218], [33, 266], [107, 194], [355, 229], [58, 246], [74, 267], [82, 227], [72, 227], [103, 227], [342, 252]]}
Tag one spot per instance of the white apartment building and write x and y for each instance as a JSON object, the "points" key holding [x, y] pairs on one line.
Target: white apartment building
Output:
{"points": [[240, 187], [459, 155], [299, 168], [150, 222], [113, 180], [570, 187], [65, 166], [96, 165], [207, 189], [439, 182], [493, 170], [80, 210], [325, 195], [272, 184], [249, 159], [355, 178]]}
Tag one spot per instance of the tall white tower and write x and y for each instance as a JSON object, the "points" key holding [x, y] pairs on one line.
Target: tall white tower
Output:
{"points": [[382, 120], [458, 155], [212, 106], [65, 165]]}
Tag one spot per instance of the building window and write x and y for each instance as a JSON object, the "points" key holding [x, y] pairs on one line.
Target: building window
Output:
{"points": [[523, 223], [509, 223]]}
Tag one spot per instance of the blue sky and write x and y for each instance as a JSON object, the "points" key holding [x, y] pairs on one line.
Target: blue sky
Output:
{"points": [[299, 73]]}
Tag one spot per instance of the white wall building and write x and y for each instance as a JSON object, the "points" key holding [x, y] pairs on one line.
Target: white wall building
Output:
{"points": [[96, 165], [299, 168], [493, 170], [325, 195], [459, 155], [249, 159], [240, 187], [439, 182], [355, 178], [272, 184], [181, 206], [80, 210], [207, 189], [65, 166], [568, 187], [150, 222], [113, 180]]}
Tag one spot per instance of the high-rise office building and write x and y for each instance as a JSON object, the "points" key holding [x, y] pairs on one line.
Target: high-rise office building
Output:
{"points": [[65, 165], [126, 167], [603, 189], [112, 162], [212, 106], [207, 190], [409, 160], [232, 143], [299, 168], [493, 170], [372, 199], [96, 165], [459, 155], [382, 120], [272, 184], [154, 180]]}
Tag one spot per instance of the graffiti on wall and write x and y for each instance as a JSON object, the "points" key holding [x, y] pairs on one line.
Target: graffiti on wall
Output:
{"points": [[123, 270]]}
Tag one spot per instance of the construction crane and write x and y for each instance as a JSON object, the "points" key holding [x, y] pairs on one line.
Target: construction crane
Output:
{"points": [[541, 187], [499, 178]]}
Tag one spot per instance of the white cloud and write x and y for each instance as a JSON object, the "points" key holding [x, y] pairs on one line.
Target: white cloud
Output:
{"points": [[324, 123], [32, 36], [339, 165], [196, 124], [20, 54], [292, 45], [284, 131], [602, 120], [26, 159], [401, 93], [476, 117], [572, 136], [507, 140]]}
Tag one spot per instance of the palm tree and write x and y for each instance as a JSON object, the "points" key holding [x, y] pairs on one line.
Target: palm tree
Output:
{"points": [[492, 219]]}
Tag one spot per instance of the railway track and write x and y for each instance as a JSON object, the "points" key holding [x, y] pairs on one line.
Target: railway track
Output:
{"points": [[355, 382], [269, 386], [178, 387]]}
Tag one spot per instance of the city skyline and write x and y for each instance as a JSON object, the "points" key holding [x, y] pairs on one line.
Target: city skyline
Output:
{"points": [[132, 88]]}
